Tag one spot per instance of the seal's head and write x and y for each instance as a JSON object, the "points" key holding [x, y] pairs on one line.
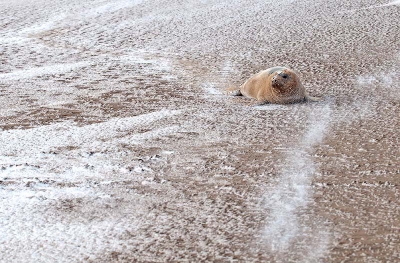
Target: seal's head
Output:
{"points": [[284, 81]]}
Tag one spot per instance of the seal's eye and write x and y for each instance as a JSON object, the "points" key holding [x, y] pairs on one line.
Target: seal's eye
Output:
{"points": [[284, 76]]}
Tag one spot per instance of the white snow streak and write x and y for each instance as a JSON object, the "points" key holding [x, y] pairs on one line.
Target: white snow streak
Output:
{"points": [[112, 7], [384, 5], [392, 3], [65, 19], [45, 70], [292, 194]]}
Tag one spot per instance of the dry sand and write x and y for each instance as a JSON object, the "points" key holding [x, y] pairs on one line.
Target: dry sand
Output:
{"points": [[117, 143]]}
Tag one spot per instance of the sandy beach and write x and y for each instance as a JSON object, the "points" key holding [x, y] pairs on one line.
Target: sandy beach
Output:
{"points": [[118, 143]]}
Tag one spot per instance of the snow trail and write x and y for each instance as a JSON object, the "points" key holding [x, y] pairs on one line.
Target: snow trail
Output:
{"points": [[292, 194]]}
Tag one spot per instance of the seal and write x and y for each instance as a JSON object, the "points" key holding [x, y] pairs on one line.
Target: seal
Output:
{"points": [[278, 85]]}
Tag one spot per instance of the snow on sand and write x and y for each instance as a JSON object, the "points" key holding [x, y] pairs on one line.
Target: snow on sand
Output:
{"points": [[45, 170], [292, 194]]}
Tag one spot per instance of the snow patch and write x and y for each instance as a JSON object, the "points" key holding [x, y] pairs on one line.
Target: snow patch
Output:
{"points": [[42, 27], [44, 176], [209, 88], [112, 7], [386, 78], [13, 40], [366, 80], [384, 81], [30, 225], [95, 149], [138, 138], [228, 69], [146, 57]]}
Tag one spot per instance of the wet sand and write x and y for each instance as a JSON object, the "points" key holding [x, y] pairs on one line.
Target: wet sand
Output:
{"points": [[117, 143]]}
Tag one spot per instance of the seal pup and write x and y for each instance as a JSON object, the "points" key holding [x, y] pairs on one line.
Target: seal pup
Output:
{"points": [[279, 85]]}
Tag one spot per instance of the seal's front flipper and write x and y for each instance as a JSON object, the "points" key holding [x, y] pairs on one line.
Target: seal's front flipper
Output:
{"points": [[308, 98], [233, 91], [260, 103]]}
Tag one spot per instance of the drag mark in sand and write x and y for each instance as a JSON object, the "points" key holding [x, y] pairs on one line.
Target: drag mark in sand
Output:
{"points": [[292, 194]]}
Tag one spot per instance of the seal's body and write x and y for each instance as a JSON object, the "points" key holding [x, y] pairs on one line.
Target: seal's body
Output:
{"points": [[274, 85]]}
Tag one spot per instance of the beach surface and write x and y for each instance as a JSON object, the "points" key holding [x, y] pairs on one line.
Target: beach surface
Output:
{"points": [[118, 144]]}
